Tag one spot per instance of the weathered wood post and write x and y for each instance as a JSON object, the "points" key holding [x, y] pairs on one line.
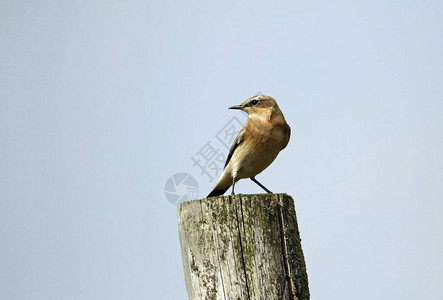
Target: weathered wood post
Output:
{"points": [[242, 247]]}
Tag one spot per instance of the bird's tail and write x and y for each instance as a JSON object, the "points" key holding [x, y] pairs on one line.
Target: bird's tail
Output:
{"points": [[217, 192], [222, 185]]}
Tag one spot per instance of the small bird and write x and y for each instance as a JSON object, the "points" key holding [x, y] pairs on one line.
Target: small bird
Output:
{"points": [[264, 135]]}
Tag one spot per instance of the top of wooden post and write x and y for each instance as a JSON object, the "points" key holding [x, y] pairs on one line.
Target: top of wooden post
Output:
{"points": [[242, 246]]}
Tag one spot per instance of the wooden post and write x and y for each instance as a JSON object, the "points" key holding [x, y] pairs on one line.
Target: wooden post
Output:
{"points": [[242, 247]]}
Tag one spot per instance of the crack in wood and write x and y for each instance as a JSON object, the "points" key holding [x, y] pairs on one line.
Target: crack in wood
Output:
{"points": [[241, 245], [285, 251]]}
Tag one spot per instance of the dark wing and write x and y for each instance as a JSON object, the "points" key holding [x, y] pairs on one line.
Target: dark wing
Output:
{"points": [[238, 140], [289, 136]]}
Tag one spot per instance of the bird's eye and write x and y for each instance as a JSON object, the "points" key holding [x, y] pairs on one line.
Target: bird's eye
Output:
{"points": [[254, 102]]}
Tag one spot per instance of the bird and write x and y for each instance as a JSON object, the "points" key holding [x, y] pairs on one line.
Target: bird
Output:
{"points": [[256, 146]]}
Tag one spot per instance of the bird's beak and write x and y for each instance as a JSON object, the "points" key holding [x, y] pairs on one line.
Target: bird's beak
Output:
{"points": [[237, 107]]}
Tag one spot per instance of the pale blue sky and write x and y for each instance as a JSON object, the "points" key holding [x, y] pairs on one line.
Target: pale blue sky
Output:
{"points": [[103, 101]]}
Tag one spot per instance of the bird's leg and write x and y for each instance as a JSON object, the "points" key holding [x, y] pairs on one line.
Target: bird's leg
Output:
{"points": [[261, 185], [233, 185]]}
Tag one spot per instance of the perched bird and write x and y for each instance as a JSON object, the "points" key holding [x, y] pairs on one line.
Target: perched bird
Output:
{"points": [[264, 135]]}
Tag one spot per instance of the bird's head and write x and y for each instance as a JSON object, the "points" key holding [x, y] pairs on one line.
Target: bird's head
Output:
{"points": [[259, 106]]}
